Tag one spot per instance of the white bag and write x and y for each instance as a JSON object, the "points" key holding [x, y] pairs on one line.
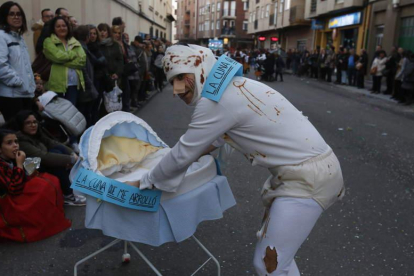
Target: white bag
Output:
{"points": [[113, 99]]}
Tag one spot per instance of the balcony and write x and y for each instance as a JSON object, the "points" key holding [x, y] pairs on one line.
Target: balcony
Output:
{"points": [[229, 14], [297, 16], [228, 32]]}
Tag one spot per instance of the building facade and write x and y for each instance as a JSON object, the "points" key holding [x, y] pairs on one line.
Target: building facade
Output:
{"points": [[198, 21], [279, 23], [393, 20], [142, 17], [339, 22]]}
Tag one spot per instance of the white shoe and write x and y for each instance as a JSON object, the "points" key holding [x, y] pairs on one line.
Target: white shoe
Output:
{"points": [[74, 200]]}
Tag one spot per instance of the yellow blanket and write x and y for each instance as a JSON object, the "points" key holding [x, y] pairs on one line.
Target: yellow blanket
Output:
{"points": [[122, 151]]}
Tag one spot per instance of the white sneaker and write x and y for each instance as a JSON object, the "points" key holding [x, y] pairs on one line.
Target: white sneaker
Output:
{"points": [[74, 200]]}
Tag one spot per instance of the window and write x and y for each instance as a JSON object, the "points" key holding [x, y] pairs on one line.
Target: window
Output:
{"points": [[246, 5], [156, 33], [281, 6], [275, 18], [267, 10], [200, 11], [245, 24], [263, 11], [339, 1], [232, 23], [251, 17], [218, 25], [213, 7], [207, 25], [218, 6], [226, 8], [233, 8], [287, 5], [379, 35]]}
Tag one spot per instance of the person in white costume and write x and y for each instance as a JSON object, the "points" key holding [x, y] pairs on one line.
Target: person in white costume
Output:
{"points": [[305, 179]]}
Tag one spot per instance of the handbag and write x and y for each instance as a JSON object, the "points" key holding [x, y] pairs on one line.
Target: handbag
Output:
{"points": [[359, 66], [374, 70], [42, 66], [113, 99]]}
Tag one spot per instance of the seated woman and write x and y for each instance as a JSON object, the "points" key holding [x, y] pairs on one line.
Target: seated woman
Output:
{"points": [[56, 158], [31, 206]]}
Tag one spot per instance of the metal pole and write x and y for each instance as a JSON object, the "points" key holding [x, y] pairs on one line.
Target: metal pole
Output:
{"points": [[94, 254], [208, 253]]}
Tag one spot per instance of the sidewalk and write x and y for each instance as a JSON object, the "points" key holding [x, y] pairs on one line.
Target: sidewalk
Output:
{"points": [[389, 104]]}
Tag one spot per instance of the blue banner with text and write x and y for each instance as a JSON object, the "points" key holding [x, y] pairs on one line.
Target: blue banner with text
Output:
{"points": [[222, 73], [116, 192]]}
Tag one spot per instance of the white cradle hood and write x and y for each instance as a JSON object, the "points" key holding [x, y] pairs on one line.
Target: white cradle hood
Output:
{"points": [[123, 124]]}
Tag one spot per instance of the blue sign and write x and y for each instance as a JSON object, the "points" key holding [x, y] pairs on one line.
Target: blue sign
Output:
{"points": [[215, 44], [317, 24], [222, 73], [345, 20], [116, 192]]}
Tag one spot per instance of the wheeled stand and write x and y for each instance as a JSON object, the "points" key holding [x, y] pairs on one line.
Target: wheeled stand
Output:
{"points": [[126, 257]]}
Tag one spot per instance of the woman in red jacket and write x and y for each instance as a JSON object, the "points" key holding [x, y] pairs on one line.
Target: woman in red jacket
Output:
{"points": [[31, 207]]}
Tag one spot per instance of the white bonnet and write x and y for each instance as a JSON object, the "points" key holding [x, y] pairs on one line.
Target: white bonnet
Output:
{"points": [[180, 59]]}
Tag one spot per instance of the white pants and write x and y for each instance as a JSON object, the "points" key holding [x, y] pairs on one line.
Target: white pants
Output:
{"points": [[285, 228]]}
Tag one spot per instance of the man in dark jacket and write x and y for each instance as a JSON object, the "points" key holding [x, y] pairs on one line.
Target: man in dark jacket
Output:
{"points": [[86, 98], [408, 80], [391, 69], [361, 68], [138, 46]]}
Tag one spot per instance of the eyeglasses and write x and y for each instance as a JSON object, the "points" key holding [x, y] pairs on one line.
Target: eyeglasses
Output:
{"points": [[15, 14], [48, 16], [31, 123]]}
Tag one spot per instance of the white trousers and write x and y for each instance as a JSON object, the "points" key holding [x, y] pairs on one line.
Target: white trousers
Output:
{"points": [[285, 228]]}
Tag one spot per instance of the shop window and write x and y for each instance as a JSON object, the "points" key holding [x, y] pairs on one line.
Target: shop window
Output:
{"points": [[301, 45], [406, 39], [349, 38]]}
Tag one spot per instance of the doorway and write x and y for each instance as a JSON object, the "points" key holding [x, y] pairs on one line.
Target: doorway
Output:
{"points": [[349, 38]]}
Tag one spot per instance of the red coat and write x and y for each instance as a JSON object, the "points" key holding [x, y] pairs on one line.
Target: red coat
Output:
{"points": [[31, 208]]}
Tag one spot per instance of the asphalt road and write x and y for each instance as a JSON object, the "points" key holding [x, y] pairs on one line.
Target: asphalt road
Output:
{"points": [[370, 232]]}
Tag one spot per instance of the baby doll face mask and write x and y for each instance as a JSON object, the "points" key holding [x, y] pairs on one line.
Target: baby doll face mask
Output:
{"points": [[184, 86]]}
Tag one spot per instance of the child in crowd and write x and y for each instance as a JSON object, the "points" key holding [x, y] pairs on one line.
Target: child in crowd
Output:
{"points": [[31, 207]]}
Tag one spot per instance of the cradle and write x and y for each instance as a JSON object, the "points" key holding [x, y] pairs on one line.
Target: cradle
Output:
{"points": [[203, 195]]}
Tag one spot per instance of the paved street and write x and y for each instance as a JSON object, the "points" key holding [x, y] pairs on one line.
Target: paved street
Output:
{"points": [[370, 232]]}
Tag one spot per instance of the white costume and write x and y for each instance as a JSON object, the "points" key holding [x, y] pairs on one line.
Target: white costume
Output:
{"points": [[258, 121]]}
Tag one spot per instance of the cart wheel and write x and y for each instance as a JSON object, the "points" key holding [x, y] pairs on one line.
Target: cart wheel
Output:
{"points": [[126, 258]]}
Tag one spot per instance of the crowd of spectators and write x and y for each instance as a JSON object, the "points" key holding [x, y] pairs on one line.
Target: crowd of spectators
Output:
{"points": [[80, 63], [344, 67]]}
